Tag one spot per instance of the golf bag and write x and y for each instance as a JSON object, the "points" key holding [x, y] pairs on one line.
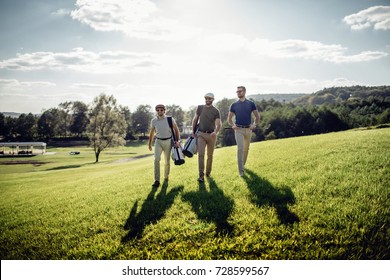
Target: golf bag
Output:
{"points": [[190, 147], [177, 153]]}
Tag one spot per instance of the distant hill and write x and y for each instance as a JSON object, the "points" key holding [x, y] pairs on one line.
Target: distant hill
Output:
{"points": [[16, 115], [11, 114], [338, 95], [280, 97], [334, 95]]}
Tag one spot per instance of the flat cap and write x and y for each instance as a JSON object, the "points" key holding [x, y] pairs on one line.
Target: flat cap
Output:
{"points": [[160, 106]]}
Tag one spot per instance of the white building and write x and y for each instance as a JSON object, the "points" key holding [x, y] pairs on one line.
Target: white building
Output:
{"points": [[22, 148]]}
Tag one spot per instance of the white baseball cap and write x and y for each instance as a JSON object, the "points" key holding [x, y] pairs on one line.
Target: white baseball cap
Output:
{"points": [[209, 95]]}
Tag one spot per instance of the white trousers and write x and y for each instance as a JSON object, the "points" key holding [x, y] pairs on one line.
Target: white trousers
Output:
{"points": [[161, 146]]}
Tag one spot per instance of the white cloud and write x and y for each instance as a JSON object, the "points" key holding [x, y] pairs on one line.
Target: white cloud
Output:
{"points": [[225, 42], [377, 17], [61, 12], [122, 86], [135, 18], [92, 86], [25, 96], [310, 50], [83, 61], [340, 82], [13, 84], [285, 49], [361, 57], [256, 83], [261, 81]]}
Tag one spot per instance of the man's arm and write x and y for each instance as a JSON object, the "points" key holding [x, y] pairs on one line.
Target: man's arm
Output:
{"points": [[257, 119], [177, 133], [218, 125], [151, 136], [230, 120], [194, 123]]}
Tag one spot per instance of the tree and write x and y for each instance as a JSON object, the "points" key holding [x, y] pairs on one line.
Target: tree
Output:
{"points": [[80, 118], [49, 123], [384, 117], [107, 126], [177, 113], [331, 121], [141, 119], [127, 115], [64, 109], [224, 107], [26, 127], [10, 128], [7, 127], [2, 125]]}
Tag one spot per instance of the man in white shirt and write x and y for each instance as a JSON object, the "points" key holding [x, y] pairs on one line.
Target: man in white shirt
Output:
{"points": [[160, 128]]}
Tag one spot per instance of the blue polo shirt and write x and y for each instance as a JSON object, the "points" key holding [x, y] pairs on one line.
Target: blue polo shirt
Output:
{"points": [[243, 111]]}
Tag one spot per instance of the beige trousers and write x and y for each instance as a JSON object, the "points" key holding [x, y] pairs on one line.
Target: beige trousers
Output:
{"points": [[205, 140], [161, 146], [243, 139]]}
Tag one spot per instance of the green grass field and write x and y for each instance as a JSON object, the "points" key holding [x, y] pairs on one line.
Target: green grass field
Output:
{"points": [[317, 197]]}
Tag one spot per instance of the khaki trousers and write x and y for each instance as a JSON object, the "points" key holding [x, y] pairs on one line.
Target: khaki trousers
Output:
{"points": [[205, 140], [243, 139], [161, 146]]}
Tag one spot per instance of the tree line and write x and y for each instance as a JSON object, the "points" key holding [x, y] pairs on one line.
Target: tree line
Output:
{"points": [[328, 110]]}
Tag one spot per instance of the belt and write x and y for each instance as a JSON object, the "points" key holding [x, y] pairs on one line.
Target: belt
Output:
{"points": [[207, 131], [243, 126], [163, 138]]}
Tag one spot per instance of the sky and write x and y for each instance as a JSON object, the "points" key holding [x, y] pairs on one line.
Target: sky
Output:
{"points": [[175, 51]]}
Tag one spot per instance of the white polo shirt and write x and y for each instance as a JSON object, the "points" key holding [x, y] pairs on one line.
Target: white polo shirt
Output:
{"points": [[161, 127]]}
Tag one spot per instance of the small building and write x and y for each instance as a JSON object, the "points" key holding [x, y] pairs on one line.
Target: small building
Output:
{"points": [[22, 148]]}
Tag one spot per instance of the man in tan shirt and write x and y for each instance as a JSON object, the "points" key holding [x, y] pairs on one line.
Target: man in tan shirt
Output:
{"points": [[209, 120]]}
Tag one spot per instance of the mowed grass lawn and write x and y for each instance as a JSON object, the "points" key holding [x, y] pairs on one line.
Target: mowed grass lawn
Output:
{"points": [[317, 197]]}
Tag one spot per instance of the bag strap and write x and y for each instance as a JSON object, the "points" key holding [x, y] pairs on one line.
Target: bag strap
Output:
{"points": [[199, 111], [169, 119]]}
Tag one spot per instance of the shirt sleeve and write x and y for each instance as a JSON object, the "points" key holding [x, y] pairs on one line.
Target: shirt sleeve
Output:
{"points": [[232, 108], [198, 110], [217, 114], [253, 106]]}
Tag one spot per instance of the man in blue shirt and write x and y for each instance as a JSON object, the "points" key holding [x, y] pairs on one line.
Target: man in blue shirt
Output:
{"points": [[242, 109]]}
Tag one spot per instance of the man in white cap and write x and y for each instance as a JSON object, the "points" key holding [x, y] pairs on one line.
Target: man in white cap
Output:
{"points": [[209, 121], [163, 143]]}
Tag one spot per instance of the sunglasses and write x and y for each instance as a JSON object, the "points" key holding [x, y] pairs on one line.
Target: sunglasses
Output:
{"points": [[160, 110]]}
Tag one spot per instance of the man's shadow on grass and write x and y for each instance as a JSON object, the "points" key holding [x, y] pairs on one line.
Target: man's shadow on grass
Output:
{"points": [[212, 206], [153, 209], [263, 193]]}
